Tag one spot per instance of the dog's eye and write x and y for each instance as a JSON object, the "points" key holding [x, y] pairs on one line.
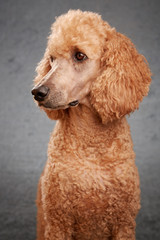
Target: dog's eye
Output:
{"points": [[79, 56], [52, 58]]}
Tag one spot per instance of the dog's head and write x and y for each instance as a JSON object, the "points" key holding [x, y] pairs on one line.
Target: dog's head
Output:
{"points": [[88, 62]]}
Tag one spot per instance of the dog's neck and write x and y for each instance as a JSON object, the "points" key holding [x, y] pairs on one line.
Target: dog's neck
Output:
{"points": [[81, 133], [85, 124], [84, 119]]}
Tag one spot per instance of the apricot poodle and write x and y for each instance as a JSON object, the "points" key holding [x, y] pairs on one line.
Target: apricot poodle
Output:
{"points": [[90, 77]]}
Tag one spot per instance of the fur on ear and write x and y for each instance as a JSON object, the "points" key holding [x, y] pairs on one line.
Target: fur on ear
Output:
{"points": [[42, 69], [124, 80]]}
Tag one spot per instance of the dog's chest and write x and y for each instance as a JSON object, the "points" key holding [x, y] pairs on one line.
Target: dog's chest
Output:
{"points": [[66, 185], [86, 195]]}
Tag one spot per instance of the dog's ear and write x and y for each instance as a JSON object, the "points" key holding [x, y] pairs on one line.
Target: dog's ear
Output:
{"points": [[124, 80], [42, 69]]}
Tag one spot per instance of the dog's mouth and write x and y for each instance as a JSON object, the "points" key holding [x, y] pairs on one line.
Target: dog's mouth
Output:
{"points": [[74, 103], [51, 106]]}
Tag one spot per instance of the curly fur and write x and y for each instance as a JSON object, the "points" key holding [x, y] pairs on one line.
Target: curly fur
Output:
{"points": [[89, 188]]}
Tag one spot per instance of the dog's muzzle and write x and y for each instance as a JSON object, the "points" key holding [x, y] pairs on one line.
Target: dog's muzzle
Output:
{"points": [[41, 93]]}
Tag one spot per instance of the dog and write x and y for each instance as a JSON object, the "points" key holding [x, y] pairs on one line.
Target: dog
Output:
{"points": [[89, 79]]}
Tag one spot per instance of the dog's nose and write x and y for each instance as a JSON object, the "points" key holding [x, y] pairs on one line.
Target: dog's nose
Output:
{"points": [[40, 93]]}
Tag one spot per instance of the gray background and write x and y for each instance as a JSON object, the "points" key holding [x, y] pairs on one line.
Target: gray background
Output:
{"points": [[24, 130]]}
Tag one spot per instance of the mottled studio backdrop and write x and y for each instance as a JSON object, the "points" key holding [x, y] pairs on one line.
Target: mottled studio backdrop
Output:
{"points": [[24, 130]]}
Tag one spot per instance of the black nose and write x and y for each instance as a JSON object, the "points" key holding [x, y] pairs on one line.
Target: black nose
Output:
{"points": [[40, 93]]}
